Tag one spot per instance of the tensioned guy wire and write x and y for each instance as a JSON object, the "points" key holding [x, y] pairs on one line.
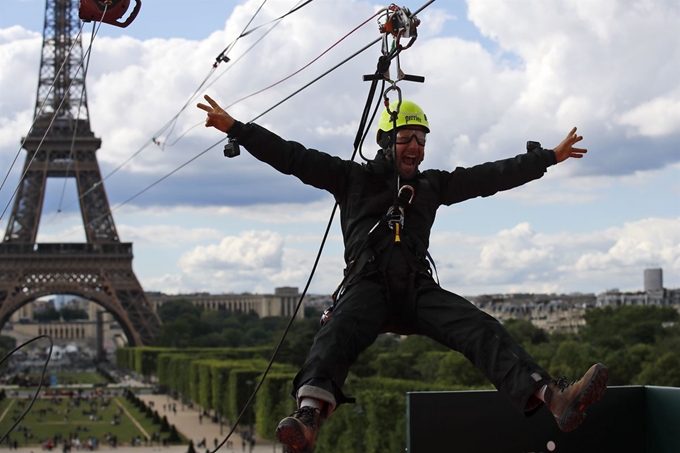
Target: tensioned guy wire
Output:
{"points": [[168, 123]]}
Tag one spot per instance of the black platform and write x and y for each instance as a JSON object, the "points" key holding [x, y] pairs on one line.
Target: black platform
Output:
{"points": [[638, 419]]}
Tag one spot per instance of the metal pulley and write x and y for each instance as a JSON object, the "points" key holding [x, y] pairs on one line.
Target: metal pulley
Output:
{"points": [[400, 22]]}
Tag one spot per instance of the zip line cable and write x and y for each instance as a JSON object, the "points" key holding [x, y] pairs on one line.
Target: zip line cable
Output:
{"points": [[305, 66], [222, 56], [360, 133], [233, 62], [367, 46], [173, 121], [358, 143], [160, 131], [246, 33], [222, 140], [280, 81], [254, 119], [54, 117]]}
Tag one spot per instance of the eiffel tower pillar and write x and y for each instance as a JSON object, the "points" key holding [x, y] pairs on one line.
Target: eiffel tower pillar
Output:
{"points": [[61, 145]]}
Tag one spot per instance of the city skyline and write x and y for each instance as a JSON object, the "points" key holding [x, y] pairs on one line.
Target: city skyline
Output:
{"points": [[234, 225]]}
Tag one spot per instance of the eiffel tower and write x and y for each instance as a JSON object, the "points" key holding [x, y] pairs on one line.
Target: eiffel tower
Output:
{"points": [[61, 145]]}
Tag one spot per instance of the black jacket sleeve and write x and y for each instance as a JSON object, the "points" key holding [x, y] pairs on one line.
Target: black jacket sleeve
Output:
{"points": [[487, 179], [310, 166]]}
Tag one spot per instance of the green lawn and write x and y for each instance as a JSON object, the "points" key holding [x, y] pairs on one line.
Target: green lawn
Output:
{"points": [[79, 378], [144, 421], [48, 418]]}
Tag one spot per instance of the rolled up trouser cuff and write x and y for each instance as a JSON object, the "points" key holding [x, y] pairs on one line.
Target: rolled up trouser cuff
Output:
{"points": [[310, 391]]}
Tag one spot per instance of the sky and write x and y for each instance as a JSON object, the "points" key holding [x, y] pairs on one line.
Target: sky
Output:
{"points": [[498, 73]]}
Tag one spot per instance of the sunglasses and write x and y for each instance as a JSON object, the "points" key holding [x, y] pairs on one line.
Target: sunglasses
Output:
{"points": [[405, 136]]}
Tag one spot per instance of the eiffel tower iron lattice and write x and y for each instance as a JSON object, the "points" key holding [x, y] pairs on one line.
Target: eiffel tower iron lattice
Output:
{"points": [[61, 145]]}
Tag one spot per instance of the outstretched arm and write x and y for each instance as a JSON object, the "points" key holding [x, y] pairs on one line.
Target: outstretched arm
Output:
{"points": [[566, 149], [217, 116], [312, 167]]}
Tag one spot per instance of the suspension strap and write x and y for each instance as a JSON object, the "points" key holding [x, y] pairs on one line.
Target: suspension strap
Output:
{"points": [[395, 215]]}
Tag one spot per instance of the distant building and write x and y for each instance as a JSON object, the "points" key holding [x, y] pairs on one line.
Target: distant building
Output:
{"points": [[281, 304], [653, 280], [550, 312], [653, 294], [565, 313]]}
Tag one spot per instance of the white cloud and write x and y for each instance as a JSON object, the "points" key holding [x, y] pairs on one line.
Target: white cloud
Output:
{"points": [[167, 235], [251, 250], [522, 260], [611, 68], [638, 244], [655, 118]]}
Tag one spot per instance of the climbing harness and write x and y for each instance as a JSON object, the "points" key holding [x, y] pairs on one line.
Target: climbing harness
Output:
{"points": [[108, 11], [399, 23], [395, 214]]}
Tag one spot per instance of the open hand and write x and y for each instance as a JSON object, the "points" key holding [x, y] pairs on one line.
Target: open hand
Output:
{"points": [[217, 116], [566, 149]]}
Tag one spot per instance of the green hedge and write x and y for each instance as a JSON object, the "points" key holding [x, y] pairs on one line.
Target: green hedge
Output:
{"points": [[144, 359], [223, 379], [376, 423], [273, 403]]}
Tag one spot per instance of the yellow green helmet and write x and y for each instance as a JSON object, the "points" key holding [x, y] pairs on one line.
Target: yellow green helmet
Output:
{"points": [[410, 114]]}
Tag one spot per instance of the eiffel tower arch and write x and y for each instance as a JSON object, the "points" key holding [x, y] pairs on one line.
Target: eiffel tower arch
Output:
{"points": [[61, 145]]}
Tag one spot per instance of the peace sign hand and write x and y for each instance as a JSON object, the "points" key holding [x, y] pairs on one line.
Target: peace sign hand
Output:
{"points": [[217, 116], [566, 149]]}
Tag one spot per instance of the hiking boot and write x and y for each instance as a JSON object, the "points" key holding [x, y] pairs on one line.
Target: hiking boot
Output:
{"points": [[567, 402], [298, 430]]}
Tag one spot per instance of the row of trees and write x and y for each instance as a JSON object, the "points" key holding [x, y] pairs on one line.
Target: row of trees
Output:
{"points": [[50, 313], [640, 345]]}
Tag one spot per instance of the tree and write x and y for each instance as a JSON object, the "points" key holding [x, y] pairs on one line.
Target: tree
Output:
{"points": [[49, 313], [524, 332], [181, 332], [572, 359], [419, 344], [7, 343], [627, 325], [363, 367], [171, 311], [456, 370], [70, 314], [298, 341], [428, 363], [173, 437], [665, 371], [396, 365]]}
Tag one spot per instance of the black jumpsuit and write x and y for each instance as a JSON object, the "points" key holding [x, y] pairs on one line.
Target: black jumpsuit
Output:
{"points": [[394, 289]]}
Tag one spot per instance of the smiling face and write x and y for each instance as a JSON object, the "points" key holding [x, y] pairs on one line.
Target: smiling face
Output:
{"points": [[410, 150]]}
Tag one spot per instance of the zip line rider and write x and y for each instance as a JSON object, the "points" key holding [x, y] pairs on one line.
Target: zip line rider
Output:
{"points": [[388, 285]]}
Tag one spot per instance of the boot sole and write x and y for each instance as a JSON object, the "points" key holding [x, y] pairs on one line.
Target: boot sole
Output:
{"points": [[574, 413], [290, 434]]}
